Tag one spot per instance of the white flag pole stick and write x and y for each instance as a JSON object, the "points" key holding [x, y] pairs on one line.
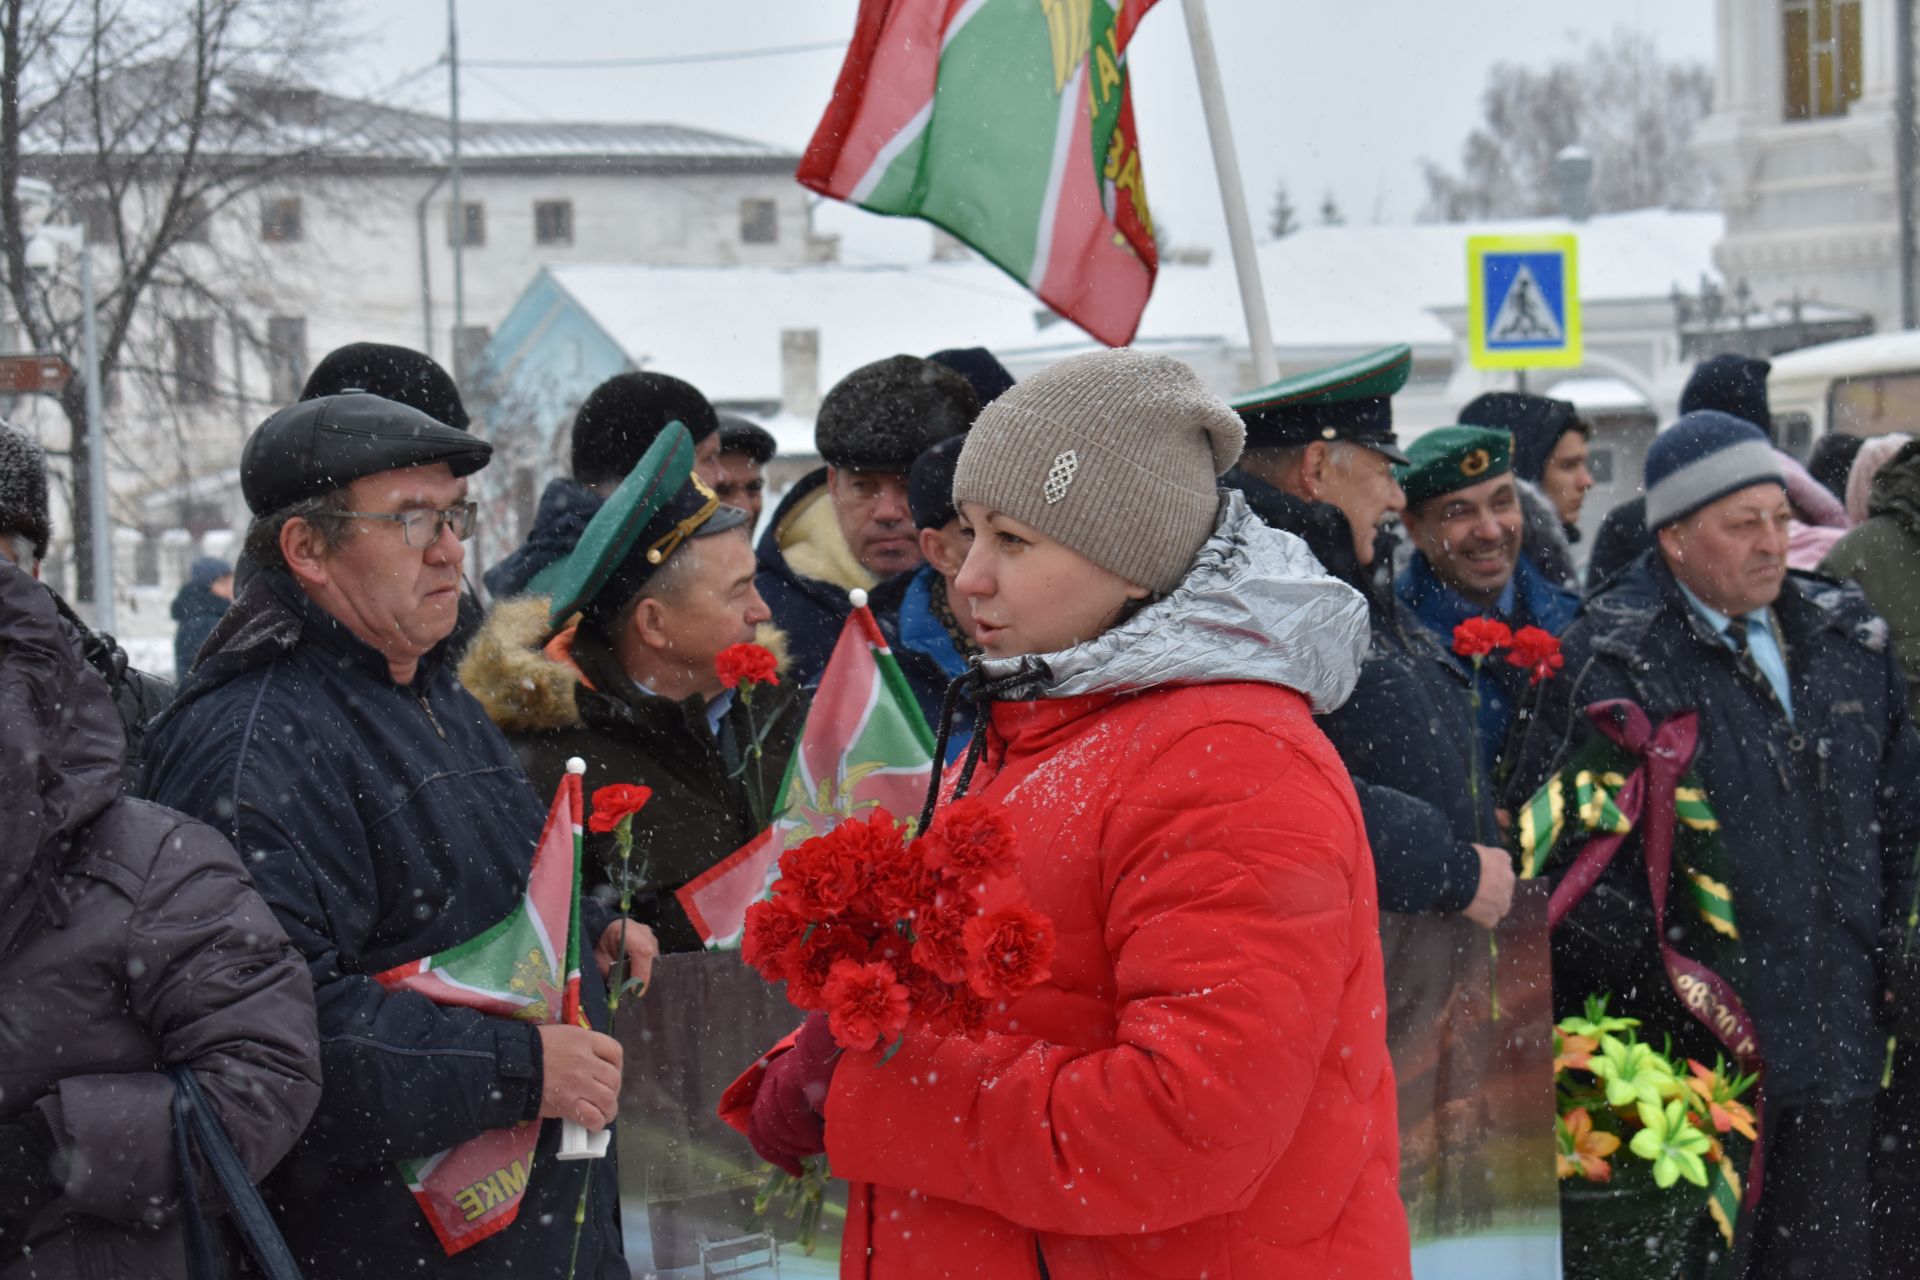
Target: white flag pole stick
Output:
{"points": [[1233, 195], [577, 1142]]}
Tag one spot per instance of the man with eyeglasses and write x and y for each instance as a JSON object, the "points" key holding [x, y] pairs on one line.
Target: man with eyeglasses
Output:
{"points": [[384, 819]]}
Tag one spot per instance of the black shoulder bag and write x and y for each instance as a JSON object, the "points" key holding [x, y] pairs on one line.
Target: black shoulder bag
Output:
{"points": [[196, 1126]]}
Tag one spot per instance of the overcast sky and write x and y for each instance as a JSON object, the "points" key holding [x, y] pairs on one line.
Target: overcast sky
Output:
{"points": [[1340, 95]]}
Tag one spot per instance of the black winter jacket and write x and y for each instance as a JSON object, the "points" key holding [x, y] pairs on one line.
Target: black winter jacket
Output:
{"points": [[699, 812], [1404, 733], [809, 610], [566, 507], [130, 939], [1821, 816], [382, 823]]}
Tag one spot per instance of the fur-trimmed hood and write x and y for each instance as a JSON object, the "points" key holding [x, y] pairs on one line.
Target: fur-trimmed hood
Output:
{"points": [[524, 686]]}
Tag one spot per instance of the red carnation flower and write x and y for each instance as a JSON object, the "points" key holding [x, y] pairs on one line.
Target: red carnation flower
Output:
{"points": [[747, 664], [940, 935], [1008, 951], [866, 1004], [610, 804], [898, 882], [971, 841], [771, 928], [1537, 651], [811, 958], [1478, 637]]}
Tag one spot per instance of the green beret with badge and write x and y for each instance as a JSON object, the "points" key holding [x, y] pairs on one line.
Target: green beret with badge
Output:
{"points": [[1447, 459], [660, 505], [1351, 401]]}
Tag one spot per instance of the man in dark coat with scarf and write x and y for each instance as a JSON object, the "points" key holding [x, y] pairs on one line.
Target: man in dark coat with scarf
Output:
{"points": [[385, 820], [618, 667], [1807, 755], [1319, 465], [130, 939], [849, 524]]}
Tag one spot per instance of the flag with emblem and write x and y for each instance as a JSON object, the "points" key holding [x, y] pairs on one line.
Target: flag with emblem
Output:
{"points": [[865, 745], [526, 967], [1009, 123]]}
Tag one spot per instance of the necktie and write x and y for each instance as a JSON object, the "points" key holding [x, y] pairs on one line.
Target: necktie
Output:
{"points": [[1736, 636]]}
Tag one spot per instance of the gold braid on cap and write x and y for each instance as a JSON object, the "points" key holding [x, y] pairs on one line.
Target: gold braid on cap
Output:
{"points": [[672, 538]]}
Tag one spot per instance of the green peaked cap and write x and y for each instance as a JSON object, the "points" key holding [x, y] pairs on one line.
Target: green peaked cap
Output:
{"points": [[1450, 458], [660, 504], [1350, 401]]}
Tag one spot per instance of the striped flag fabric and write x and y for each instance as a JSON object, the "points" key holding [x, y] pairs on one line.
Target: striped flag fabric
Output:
{"points": [[864, 745], [526, 967], [1009, 123]]}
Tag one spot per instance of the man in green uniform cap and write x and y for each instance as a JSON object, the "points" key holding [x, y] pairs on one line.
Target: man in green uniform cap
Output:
{"points": [[1464, 517], [611, 657], [1319, 465]]}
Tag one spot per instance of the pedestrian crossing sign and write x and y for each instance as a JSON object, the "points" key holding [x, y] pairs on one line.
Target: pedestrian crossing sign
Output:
{"points": [[1523, 302]]}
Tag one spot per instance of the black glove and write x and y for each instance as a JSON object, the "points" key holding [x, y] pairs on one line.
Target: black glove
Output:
{"points": [[26, 1179]]}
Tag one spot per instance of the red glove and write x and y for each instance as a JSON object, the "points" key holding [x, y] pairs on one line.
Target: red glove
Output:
{"points": [[788, 1122]]}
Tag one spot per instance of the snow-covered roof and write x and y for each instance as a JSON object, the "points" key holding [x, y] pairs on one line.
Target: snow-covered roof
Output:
{"points": [[1599, 395], [1330, 290]]}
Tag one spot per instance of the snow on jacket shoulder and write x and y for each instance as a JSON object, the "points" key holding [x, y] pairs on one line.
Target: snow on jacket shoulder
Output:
{"points": [[142, 943], [1202, 1086]]}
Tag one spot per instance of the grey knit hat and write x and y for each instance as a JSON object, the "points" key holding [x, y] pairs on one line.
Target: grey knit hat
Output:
{"points": [[1113, 453], [23, 488]]}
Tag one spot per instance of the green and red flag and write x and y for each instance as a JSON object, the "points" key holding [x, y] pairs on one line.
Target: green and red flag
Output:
{"points": [[525, 967], [865, 745], [1010, 124]]}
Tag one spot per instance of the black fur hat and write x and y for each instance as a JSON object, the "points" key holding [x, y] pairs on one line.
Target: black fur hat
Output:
{"points": [[883, 415], [400, 374], [620, 418], [23, 488]]}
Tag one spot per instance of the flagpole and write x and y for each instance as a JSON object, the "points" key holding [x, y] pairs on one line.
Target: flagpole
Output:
{"points": [[1233, 195]]}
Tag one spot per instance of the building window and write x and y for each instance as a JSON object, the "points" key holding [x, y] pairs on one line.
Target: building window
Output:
{"points": [[1600, 464], [98, 215], [759, 222], [1822, 42], [553, 222], [192, 360], [280, 220], [286, 357], [194, 221], [473, 224]]}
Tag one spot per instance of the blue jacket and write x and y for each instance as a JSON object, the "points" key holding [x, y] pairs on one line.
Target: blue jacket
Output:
{"points": [[1821, 816], [565, 509], [928, 658], [1530, 601], [381, 823]]}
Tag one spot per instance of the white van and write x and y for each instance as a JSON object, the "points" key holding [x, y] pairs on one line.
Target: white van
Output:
{"points": [[1864, 386]]}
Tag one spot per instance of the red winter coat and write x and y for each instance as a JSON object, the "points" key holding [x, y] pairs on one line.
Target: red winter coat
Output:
{"points": [[1202, 1088]]}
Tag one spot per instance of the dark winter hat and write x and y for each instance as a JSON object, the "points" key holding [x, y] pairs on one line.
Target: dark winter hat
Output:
{"points": [[23, 488], [1350, 401], [883, 415], [1731, 384], [318, 446], [1832, 461], [930, 484], [1535, 422], [743, 435], [986, 375], [620, 419], [1702, 458], [657, 507], [396, 373], [1115, 453], [206, 571], [1448, 459]]}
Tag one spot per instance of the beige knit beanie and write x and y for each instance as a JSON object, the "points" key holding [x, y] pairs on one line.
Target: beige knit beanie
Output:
{"points": [[1113, 453]]}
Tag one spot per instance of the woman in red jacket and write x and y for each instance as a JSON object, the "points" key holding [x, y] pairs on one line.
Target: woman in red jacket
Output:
{"points": [[1201, 1088]]}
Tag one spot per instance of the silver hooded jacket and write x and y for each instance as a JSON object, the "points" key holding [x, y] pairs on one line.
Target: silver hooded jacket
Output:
{"points": [[1255, 606]]}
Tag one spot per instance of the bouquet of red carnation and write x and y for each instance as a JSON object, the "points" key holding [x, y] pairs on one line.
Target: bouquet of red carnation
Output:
{"points": [[884, 932]]}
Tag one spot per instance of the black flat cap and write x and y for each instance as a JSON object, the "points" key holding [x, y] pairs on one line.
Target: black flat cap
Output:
{"points": [[744, 435], [318, 446]]}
